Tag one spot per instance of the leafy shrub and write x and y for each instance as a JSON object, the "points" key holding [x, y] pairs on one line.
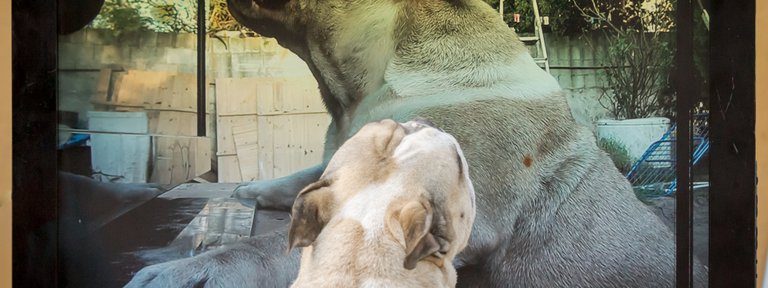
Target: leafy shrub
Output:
{"points": [[564, 18], [618, 153], [126, 16], [639, 58]]}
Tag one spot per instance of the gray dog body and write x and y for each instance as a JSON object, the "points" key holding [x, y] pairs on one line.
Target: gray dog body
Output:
{"points": [[552, 210]]}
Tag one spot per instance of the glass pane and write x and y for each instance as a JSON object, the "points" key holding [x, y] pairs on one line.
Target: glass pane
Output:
{"points": [[700, 135], [127, 101], [128, 107], [616, 60]]}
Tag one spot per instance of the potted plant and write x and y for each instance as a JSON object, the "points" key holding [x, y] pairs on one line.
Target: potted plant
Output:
{"points": [[637, 68]]}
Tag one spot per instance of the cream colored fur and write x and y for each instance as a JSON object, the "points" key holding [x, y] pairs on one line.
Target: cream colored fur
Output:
{"points": [[364, 240]]}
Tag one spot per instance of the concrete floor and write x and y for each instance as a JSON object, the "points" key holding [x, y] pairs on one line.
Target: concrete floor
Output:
{"points": [[664, 207], [193, 218], [182, 222]]}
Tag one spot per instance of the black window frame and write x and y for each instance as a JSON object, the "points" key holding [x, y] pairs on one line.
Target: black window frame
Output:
{"points": [[732, 155]]}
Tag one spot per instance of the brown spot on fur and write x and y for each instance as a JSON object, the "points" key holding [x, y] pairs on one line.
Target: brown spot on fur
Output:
{"points": [[527, 160]]}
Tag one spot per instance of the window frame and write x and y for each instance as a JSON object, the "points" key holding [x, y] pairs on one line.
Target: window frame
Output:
{"points": [[732, 211]]}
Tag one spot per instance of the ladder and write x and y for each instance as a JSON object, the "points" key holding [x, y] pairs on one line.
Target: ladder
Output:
{"points": [[538, 39]]}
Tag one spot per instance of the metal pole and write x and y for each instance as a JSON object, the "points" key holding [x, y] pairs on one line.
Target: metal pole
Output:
{"points": [[201, 85], [684, 195]]}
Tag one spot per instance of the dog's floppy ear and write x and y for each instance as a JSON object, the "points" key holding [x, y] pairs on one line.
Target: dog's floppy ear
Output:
{"points": [[310, 213], [415, 220]]}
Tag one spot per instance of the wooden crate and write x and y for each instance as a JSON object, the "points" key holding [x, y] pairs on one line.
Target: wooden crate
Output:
{"points": [[268, 127], [163, 107], [115, 157], [149, 90], [120, 158], [238, 97], [179, 159], [247, 146], [143, 88], [229, 169], [267, 96], [175, 123], [225, 143], [291, 96], [289, 143]]}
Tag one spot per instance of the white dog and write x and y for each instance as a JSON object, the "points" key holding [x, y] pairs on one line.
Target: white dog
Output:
{"points": [[392, 209]]}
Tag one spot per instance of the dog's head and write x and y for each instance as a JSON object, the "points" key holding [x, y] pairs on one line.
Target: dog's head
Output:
{"points": [[313, 29], [302, 25], [354, 47], [404, 183], [346, 44]]}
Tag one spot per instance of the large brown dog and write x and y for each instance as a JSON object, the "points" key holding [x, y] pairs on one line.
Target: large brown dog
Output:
{"points": [[552, 210], [392, 209]]}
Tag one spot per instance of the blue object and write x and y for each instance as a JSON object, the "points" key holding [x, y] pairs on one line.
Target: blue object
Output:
{"points": [[76, 139], [656, 168]]}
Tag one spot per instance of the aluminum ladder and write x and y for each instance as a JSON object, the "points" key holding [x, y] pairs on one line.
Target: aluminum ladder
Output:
{"points": [[541, 57]]}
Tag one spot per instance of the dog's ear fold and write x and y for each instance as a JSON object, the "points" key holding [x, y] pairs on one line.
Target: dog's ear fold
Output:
{"points": [[310, 213], [415, 220]]}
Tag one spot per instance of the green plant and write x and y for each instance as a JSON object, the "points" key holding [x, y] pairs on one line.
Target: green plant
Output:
{"points": [[618, 153], [222, 20], [639, 57], [649, 195], [176, 16], [563, 18], [120, 17], [127, 16]]}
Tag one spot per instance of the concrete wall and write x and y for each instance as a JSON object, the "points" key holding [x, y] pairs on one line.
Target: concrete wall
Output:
{"points": [[232, 56], [83, 53], [577, 66], [574, 63]]}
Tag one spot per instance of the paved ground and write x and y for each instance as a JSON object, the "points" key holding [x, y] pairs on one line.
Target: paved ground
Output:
{"points": [[196, 224], [665, 209]]}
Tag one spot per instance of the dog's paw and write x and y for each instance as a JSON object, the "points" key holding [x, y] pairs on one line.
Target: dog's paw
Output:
{"points": [[179, 273], [269, 194], [133, 192], [254, 262]]}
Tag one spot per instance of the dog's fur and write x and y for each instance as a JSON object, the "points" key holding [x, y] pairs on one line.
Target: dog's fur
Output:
{"points": [[393, 208], [84, 206], [552, 210]]}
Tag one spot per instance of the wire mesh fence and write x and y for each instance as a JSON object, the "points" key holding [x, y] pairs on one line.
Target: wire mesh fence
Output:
{"points": [[654, 173]]}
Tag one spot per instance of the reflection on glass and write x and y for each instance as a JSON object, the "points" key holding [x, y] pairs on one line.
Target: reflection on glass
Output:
{"points": [[128, 123]]}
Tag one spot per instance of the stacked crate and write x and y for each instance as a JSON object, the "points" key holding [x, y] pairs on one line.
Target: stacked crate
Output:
{"points": [[268, 127], [163, 107]]}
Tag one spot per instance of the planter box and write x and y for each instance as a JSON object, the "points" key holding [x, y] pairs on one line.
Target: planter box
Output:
{"points": [[634, 134], [121, 158]]}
